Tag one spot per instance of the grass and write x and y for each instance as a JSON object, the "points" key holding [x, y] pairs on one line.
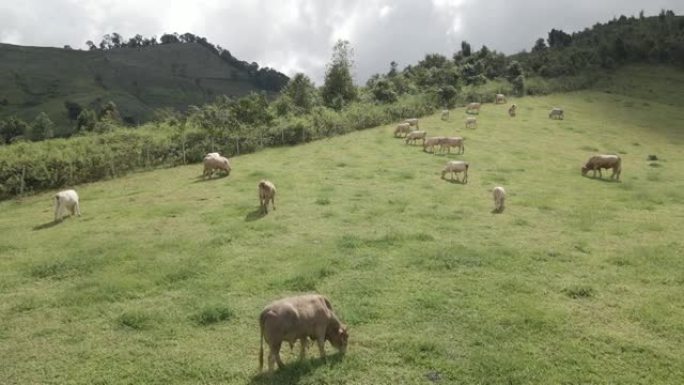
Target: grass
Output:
{"points": [[578, 281]]}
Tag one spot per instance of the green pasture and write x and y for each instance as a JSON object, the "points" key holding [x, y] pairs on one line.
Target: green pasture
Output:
{"points": [[578, 281]]}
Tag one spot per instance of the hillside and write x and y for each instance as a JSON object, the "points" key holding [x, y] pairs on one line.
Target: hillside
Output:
{"points": [[138, 80], [579, 280]]}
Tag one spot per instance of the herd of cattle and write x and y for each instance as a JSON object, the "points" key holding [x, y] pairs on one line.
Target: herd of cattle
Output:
{"points": [[311, 316]]}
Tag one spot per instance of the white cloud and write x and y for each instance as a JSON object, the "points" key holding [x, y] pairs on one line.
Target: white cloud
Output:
{"points": [[298, 35]]}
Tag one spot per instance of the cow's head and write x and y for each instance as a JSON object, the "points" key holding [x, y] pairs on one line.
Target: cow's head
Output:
{"points": [[585, 170], [339, 337]]}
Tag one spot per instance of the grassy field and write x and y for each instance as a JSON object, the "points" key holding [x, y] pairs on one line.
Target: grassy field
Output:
{"points": [[579, 281]]}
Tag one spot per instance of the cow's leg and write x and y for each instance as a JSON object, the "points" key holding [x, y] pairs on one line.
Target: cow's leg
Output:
{"points": [[302, 348], [320, 341], [273, 202], [275, 353], [57, 218], [78, 209]]}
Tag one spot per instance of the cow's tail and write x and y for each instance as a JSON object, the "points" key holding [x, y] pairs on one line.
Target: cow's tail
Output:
{"points": [[262, 320]]}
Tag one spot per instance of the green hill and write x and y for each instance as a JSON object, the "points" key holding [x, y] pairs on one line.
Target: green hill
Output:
{"points": [[138, 80], [579, 280]]}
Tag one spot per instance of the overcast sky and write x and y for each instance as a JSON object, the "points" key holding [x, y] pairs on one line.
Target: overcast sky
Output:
{"points": [[297, 35]]}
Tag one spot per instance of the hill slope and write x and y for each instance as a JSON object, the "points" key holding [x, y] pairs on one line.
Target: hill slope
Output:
{"points": [[35, 79], [578, 281]]}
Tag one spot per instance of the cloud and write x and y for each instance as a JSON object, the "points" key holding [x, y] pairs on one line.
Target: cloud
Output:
{"points": [[298, 35]]}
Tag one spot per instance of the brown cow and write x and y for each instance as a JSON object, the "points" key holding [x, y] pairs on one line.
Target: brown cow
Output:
{"points": [[299, 318], [598, 162], [267, 192]]}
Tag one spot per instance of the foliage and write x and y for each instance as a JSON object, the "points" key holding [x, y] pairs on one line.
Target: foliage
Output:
{"points": [[338, 88], [42, 127], [13, 129], [301, 91]]}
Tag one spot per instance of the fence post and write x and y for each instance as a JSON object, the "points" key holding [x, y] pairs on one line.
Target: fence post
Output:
{"points": [[23, 182]]}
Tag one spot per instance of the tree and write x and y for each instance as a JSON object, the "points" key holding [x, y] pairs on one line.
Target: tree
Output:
{"points": [[338, 87], [73, 109], [302, 92], [539, 45], [513, 71], [13, 129], [465, 49], [393, 69], [86, 120], [558, 38], [109, 113], [91, 45], [42, 127], [168, 39], [383, 91]]}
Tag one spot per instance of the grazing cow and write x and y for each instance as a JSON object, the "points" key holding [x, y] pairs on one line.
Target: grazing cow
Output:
{"points": [[415, 135], [598, 162], [402, 128], [66, 200], [512, 110], [472, 108], [300, 318], [445, 114], [471, 122], [212, 162], [499, 195], [412, 122], [556, 113], [500, 99], [267, 192], [454, 141], [432, 142], [454, 167]]}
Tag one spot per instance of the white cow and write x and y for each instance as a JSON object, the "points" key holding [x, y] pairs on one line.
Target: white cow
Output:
{"points": [[499, 195], [66, 200]]}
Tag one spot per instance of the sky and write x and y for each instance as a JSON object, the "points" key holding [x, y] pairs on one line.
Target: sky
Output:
{"points": [[298, 35]]}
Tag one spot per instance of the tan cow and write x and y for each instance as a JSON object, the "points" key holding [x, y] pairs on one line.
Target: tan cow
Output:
{"points": [[267, 192], [471, 122], [473, 107], [556, 113], [432, 142], [212, 162], [500, 99], [300, 318], [455, 167], [598, 162], [445, 114], [512, 110], [415, 135], [412, 122], [402, 128], [453, 141]]}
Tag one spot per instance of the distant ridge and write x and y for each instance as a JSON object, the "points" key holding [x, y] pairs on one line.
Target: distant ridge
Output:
{"points": [[139, 80]]}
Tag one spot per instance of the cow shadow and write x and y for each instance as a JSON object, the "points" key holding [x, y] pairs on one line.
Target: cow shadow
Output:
{"points": [[604, 180], [292, 373], [46, 225], [255, 215], [201, 179], [453, 181]]}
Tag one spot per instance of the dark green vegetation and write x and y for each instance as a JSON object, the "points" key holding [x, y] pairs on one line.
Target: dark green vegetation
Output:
{"points": [[578, 281], [139, 80]]}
